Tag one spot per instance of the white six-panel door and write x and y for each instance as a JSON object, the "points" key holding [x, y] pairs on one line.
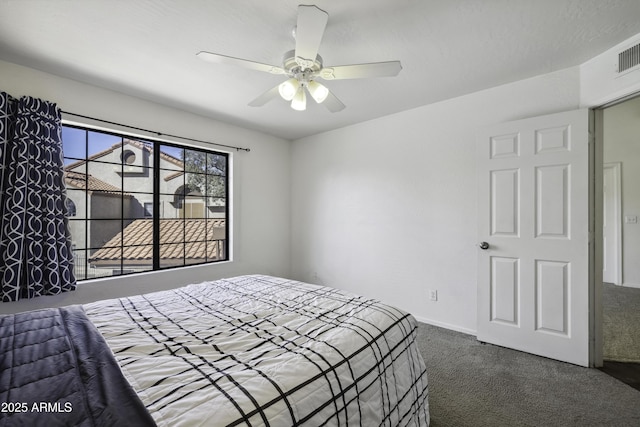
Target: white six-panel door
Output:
{"points": [[533, 209]]}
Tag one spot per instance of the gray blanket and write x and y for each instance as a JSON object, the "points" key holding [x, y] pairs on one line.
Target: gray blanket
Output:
{"points": [[56, 370]]}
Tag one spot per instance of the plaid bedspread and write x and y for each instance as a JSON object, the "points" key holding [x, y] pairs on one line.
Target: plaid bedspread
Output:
{"points": [[265, 351]]}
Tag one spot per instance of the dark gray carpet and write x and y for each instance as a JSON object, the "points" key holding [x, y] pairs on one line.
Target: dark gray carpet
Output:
{"points": [[621, 323], [473, 384], [627, 372]]}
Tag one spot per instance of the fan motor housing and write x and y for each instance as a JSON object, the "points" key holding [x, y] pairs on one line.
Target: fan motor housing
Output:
{"points": [[294, 66]]}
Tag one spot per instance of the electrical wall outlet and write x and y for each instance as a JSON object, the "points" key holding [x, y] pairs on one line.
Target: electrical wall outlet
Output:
{"points": [[433, 295]]}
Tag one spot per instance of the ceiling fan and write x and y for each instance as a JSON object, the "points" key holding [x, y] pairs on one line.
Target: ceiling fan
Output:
{"points": [[303, 66]]}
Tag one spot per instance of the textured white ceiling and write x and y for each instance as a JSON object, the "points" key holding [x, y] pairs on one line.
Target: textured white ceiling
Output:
{"points": [[448, 48]]}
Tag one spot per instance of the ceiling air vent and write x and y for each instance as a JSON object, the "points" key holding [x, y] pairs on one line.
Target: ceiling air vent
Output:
{"points": [[629, 58]]}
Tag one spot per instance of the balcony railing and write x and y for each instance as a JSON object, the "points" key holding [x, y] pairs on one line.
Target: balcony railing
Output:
{"points": [[84, 270]]}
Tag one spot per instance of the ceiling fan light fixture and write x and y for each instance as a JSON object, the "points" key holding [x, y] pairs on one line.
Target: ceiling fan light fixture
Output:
{"points": [[319, 92], [289, 88], [302, 65], [299, 101]]}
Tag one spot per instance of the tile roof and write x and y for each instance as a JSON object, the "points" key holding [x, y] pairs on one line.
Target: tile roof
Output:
{"points": [[91, 183], [137, 241]]}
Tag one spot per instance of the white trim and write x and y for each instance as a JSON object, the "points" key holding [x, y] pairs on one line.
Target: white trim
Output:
{"points": [[631, 285], [617, 194], [446, 325]]}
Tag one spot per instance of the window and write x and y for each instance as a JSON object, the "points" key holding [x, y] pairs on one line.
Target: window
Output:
{"points": [[71, 207], [128, 157], [137, 205], [148, 209]]}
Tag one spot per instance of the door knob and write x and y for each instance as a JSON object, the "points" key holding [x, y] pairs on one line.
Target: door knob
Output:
{"points": [[484, 246]]}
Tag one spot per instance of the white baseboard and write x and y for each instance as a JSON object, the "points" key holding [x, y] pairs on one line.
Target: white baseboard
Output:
{"points": [[446, 326], [631, 285]]}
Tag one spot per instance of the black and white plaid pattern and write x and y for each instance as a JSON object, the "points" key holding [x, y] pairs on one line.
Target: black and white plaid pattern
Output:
{"points": [[260, 350]]}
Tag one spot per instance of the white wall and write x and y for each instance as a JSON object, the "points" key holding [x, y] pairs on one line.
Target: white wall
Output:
{"points": [[622, 144], [387, 208], [261, 177]]}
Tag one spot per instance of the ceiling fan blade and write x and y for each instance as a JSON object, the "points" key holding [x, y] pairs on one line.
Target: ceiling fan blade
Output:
{"points": [[359, 71], [265, 97], [309, 31], [333, 104], [230, 60]]}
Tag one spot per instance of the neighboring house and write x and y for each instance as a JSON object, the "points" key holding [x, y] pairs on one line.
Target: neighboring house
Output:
{"points": [[100, 197], [137, 250], [118, 204]]}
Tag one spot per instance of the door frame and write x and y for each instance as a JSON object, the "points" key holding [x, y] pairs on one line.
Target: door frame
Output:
{"points": [[615, 167], [596, 245], [597, 175]]}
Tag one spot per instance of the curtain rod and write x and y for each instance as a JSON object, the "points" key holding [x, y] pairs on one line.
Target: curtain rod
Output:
{"points": [[157, 133]]}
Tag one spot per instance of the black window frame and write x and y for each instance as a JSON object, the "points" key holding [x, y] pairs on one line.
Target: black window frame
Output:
{"points": [[155, 171]]}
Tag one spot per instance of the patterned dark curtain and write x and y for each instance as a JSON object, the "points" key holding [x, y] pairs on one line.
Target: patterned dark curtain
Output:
{"points": [[35, 244]]}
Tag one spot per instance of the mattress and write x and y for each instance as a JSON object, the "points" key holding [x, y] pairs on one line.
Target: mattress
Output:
{"points": [[266, 351]]}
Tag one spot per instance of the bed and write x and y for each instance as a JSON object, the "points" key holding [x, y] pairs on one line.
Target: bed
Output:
{"points": [[246, 351]]}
